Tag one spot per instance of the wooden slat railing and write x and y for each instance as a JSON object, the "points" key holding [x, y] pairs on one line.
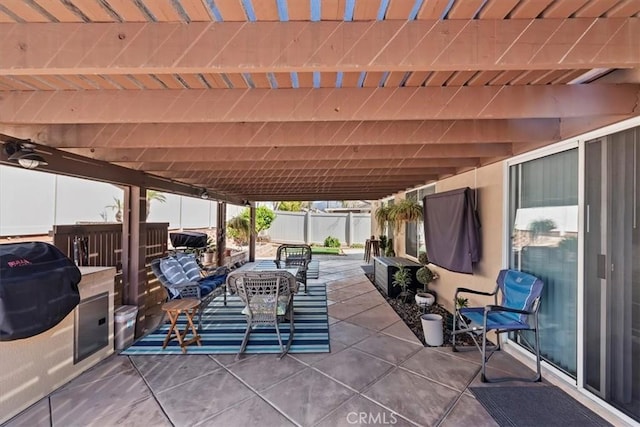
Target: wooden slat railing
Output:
{"points": [[104, 248]]}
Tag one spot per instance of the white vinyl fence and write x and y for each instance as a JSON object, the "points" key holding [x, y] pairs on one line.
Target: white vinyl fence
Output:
{"points": [[308, 227]]}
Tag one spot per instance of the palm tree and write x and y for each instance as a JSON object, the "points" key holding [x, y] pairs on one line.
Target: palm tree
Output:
{"points": [[117, 207], [540, 227], [154, 195]]}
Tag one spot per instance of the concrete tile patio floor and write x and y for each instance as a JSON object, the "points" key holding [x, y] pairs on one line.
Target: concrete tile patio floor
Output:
{"points": [[377, 373]]}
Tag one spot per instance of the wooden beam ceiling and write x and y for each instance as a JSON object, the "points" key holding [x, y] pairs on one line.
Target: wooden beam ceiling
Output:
{"points": [[290, 105], [265, 154], [185, 95], [398, 45], [289, 134]]}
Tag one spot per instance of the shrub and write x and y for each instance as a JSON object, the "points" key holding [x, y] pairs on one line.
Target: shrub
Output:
{"points": [[238, 228], [357, 245], [264, 217], [332, 242]]}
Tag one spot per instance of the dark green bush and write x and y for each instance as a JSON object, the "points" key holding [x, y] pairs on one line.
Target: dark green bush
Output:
{"points": [[332, 242]]}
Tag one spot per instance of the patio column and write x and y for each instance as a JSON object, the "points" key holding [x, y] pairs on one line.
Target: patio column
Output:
{"points": [[134, 233], [307, 228], [221, 231], [252, 233]]}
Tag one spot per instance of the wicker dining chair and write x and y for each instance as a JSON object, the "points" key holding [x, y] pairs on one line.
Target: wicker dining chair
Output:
{"points": [[268, 299], [295, 256]]}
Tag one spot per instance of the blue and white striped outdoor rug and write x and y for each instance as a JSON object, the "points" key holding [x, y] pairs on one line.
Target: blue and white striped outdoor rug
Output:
{"points": [[223, 328]]}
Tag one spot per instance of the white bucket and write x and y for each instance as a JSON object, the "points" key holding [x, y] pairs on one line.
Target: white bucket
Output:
{"points": [[432, 328]]}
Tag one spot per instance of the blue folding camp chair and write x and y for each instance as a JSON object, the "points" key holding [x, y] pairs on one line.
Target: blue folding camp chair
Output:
{"points": [[517, 312]]}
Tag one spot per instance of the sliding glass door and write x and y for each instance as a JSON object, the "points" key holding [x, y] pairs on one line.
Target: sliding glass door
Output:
{"points": [[544, 207], [612, 270], [543, 202]]}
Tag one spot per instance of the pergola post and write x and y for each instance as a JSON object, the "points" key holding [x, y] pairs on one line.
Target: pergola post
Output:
{"points": [[252, 232], [307, 228], [221, 231], [134, 251], [349, 233]]}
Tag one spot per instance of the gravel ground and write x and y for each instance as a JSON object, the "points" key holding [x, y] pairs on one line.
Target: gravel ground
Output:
{"points": [[410, 313]]}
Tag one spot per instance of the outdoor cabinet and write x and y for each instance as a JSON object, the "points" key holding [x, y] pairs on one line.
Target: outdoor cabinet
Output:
{"points": [[384, 269]]}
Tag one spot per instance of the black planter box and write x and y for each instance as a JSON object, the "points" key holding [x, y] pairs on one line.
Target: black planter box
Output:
{"points": [[385, 267]]}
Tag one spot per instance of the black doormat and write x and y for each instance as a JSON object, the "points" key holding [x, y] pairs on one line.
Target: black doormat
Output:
{"points": [[535, 406]]}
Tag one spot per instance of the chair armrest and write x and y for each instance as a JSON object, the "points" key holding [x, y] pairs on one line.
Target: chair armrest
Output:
{"points": [[214, 271], [471, 291], [295, 288], [187, 290], [489, 308]]}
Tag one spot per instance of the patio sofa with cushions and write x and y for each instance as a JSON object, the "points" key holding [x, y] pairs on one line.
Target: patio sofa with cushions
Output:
{"points": [[182, 278]]}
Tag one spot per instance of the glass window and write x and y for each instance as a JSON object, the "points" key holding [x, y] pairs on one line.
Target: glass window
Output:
{"points": [[543, 200], [414, 232]]}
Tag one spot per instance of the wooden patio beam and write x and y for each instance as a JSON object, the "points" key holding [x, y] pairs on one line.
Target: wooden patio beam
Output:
{"points": [[389, 45], [308, 164], [393, 185], [64, 163], [355, 195], [304, 105], [285, 134], [294, 154], [250, 174], [301, 181]]}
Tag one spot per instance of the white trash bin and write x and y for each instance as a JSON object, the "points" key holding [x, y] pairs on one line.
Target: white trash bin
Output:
{"points": [[124, 325], [432, 328]]}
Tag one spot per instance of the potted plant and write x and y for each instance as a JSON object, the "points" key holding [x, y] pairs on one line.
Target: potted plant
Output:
{"points": [[389, 250], [383, 244], [406, 210], [210, 250], [402, 278], [382, 216], [425, 275], [461, 302]]}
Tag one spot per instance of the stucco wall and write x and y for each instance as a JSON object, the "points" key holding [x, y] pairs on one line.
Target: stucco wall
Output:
{"points": [[34, 367], [489, 182]]}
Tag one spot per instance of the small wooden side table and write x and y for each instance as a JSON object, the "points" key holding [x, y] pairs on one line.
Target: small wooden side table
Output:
{"points": [[174, 308]]}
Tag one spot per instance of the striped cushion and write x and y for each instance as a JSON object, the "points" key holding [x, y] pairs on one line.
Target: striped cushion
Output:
{"points": [[173, 271], [189, 265]]}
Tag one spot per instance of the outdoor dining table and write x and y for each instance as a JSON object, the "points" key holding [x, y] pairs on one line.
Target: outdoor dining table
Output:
{"points": [[268, 267]]}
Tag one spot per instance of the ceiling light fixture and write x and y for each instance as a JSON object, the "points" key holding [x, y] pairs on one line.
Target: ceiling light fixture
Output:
{"points": [[204, 194], [23, 154]]}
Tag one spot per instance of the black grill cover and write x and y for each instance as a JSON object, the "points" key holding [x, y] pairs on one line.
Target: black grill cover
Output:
{"points": [[190, 239], [38, 288]]}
